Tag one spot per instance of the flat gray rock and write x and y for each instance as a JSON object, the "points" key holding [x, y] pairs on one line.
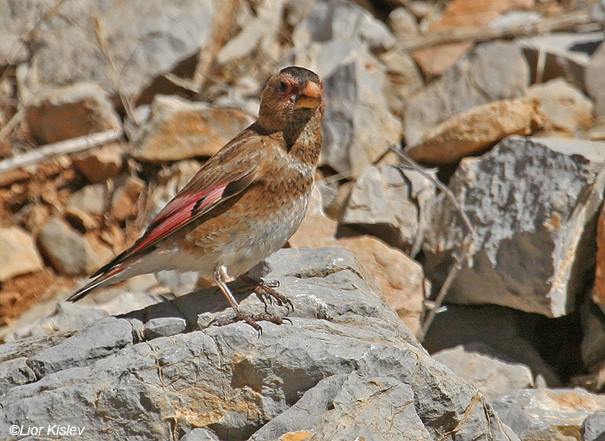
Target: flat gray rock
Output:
{"points": [[343, 347], [533, 205]]}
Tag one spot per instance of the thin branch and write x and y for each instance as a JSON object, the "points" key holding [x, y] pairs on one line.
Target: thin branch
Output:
{"points": [[467, 246], [451, 276], [47, 151], [469, 34], [413, 164], [12, 123]]}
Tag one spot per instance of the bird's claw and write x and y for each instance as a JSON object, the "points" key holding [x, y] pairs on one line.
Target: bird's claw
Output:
{"points": [[265, 291], [252, 320]]}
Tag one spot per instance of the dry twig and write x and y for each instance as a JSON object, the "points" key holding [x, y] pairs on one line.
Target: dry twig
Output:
{"points": [[562, 22], [467, 246], [60, 148], [12, 123]]}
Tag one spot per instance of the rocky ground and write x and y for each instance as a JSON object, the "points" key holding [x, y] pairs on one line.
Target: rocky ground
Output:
{"points": [[462, 298]]}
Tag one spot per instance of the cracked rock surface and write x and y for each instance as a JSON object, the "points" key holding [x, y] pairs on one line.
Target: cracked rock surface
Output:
{"points": [[346, 367]]}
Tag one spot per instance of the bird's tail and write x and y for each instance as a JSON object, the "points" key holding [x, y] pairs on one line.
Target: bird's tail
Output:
{"points": [[108, 278]]}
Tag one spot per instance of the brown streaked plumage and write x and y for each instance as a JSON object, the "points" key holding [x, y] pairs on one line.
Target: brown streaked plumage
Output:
{"points": [[244, 203]]}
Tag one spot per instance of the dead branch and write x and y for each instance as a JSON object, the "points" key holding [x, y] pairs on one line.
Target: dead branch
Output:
{"points": [[466, 248], [413, 164], [12, 123], [559, 23], [60, 148]]}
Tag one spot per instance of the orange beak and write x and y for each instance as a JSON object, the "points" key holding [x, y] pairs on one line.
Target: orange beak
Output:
{"points": [[310, 96]]}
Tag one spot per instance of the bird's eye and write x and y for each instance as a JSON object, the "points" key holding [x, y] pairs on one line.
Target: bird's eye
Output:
{"points": [[283, 87]]}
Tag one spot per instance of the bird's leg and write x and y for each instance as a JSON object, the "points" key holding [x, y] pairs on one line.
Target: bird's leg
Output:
{"points": [[220, 277], [265, 290]]}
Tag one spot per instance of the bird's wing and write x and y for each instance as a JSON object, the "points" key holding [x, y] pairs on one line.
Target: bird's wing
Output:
{"points": [[223, 176]]}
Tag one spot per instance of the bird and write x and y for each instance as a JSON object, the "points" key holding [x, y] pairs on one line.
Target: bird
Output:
{"points": [[243, 204]]}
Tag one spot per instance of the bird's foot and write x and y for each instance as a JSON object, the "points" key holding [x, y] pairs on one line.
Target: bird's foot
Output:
{"points": [[252, 320], [266, 292]]}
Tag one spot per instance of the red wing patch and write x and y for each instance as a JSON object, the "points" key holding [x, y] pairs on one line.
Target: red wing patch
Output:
{"points": [[178, 213]]}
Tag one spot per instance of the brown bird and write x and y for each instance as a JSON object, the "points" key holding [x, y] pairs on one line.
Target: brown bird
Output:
{"points": [[243, 204]]}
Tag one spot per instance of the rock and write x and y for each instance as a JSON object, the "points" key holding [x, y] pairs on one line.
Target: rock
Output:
{"points": [[548, 414], [125, 197], [260, 31], [96, 341], [501, 334], [533, 204], [460, 13], [593, 78], [66, 318], [492, 71], [164, 327], [593, 339], [80, 219], [179, 130], [69, 252], [334, 204], [476, 130], [68, 112], [353, 407], [404, 77], [564, 107], [492, 376], [560, 55], [399, 278], [90, 199], [342, 21], [101, 163], [594, 427], [140, 36], [598, 292], [228, 380], [200, 435], [358, 127], [18, 254], [393, 204], [402, 23]]}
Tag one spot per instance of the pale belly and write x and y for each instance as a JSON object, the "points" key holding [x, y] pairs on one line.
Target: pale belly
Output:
{"points": [[238, 255]]}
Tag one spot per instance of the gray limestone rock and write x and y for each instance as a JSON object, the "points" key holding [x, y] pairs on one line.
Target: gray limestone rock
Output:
{"points": [[492, 376], [496, 332], [343, 348], [393, 204], [145, 38], [533, 204], [548, 414], [493, 71], [358, 126], [594, 427]]}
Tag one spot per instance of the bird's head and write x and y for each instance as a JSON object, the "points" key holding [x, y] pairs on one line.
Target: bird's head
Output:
{"points": [[291, 97]]}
